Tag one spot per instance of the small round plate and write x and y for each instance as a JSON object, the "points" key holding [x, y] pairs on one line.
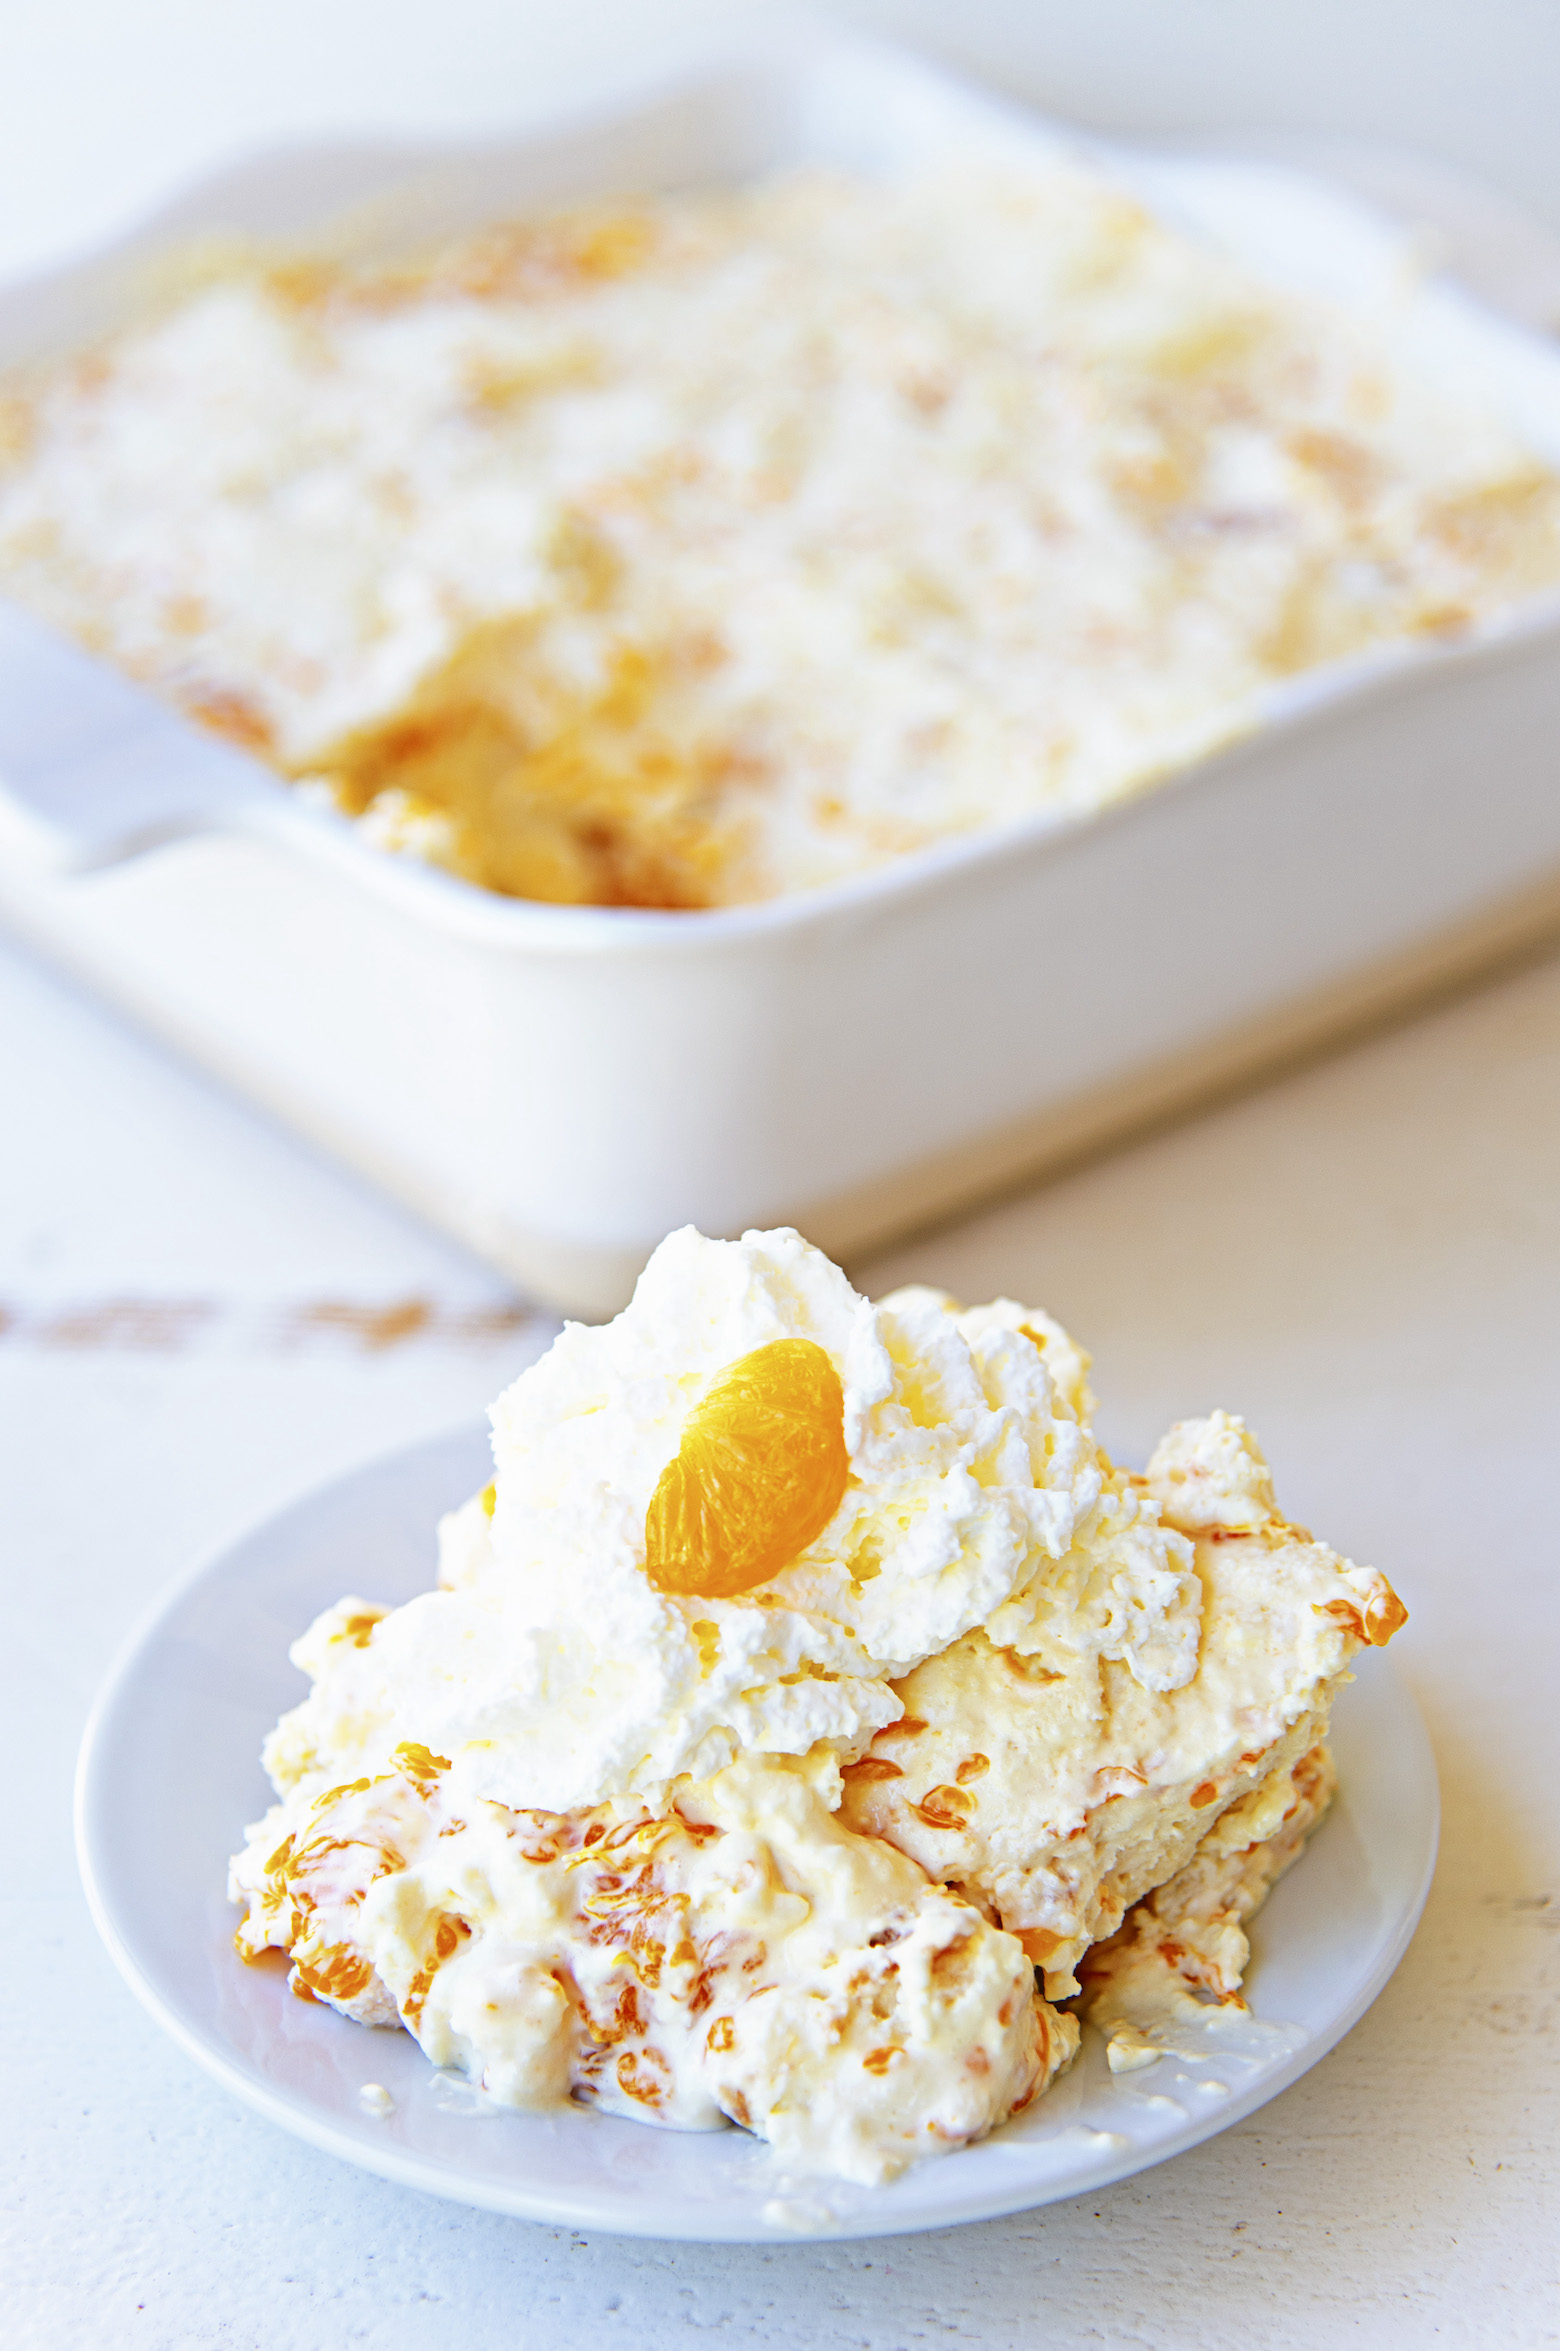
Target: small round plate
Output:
{"points": [[169, 1776]]}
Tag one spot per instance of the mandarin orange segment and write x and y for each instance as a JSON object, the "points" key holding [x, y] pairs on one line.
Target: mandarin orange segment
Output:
{"points": [[759, 1473]]}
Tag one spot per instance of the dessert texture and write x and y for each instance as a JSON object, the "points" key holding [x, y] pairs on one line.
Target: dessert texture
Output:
{"points": [[707, 549], [602, 1818], [1056, 1790], [1184, 1944]]}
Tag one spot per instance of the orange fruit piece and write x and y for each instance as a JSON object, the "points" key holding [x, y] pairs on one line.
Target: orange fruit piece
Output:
{"points": [[757, 1477]]}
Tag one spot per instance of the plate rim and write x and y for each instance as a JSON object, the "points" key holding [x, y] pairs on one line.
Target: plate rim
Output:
{"points": [[568, 2209]]}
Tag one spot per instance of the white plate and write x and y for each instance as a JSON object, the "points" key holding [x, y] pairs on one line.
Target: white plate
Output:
{"points": [[169, 1775]]}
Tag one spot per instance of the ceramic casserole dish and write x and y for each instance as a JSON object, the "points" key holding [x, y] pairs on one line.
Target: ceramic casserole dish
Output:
{"points": [[558, 1086]]}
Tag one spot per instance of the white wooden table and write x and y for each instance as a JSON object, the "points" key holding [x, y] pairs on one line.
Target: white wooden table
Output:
{"points": [[202, 1321]]}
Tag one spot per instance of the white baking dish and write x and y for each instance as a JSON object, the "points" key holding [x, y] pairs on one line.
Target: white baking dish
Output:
{"points": [[560, 1085]]}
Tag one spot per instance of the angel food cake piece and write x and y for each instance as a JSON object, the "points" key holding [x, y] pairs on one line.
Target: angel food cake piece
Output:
{"points": [[694, 551], [593, 1819]]}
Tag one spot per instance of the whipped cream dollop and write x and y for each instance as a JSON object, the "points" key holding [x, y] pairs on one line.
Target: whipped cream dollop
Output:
{"points": [[551, 1672]]}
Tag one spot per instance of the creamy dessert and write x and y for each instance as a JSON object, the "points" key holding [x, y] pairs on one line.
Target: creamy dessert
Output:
{"points": [[1056, 1789], [1184, 1943], [806, 1676], [714, 547]]}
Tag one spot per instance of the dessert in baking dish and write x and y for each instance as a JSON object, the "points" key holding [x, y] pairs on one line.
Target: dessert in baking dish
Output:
{"points": [[805, 1678], [717, 547]]}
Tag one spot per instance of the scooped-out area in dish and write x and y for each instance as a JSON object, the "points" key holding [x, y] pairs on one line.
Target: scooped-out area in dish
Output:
{"points": [[838, 1840], [705, 549]]}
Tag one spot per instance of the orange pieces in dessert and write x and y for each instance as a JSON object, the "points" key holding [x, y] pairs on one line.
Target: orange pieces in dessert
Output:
{"points": [[759, 1473]]}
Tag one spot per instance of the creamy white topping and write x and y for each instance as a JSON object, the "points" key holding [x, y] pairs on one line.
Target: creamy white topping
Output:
{"points": [[1211, 1474], [549, 1669]]}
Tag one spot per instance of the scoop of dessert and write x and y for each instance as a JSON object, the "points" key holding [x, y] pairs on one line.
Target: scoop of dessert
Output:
{"points": [[807, 1677]]}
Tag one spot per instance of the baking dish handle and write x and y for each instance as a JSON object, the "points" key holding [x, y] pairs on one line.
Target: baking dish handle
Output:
{"points": [[96, 770]]}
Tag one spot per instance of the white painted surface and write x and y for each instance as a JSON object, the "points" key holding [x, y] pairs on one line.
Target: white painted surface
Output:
{"points": [[1366, 1259]]}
